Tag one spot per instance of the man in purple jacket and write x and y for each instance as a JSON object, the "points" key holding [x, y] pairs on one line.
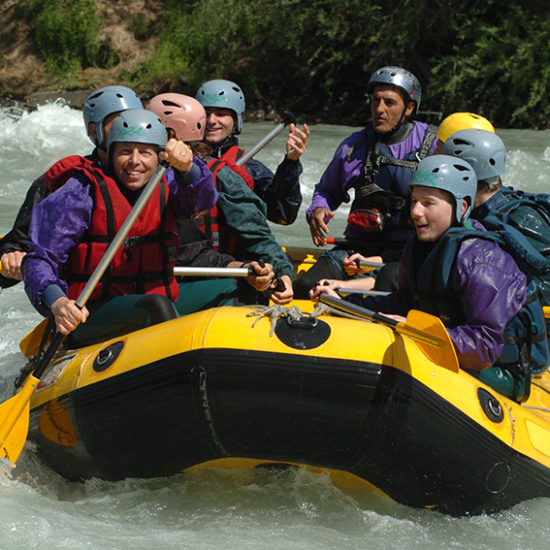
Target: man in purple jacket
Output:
{"points": [[72, 227], [377, 163], [100, 110]]}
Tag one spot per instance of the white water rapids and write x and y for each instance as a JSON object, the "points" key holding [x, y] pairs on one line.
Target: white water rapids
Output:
{"points": [[211, 510]]}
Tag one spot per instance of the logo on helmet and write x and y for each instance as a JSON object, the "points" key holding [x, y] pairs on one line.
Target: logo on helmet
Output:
{"points": [[213, 98], [424, 177], [130, 131]]}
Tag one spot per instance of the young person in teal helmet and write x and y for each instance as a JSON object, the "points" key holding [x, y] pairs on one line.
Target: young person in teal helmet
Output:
{"points": [[73, 226], [376, 163], [100, 110], [455, 269], [224, 103]]}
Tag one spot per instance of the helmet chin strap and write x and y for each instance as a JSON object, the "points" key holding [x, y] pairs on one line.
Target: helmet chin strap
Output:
{"points": [[391, 133]]}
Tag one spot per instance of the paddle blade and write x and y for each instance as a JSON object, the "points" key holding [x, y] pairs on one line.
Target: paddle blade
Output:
{"points": [[14, 421], [443, 354], [30, 343]]}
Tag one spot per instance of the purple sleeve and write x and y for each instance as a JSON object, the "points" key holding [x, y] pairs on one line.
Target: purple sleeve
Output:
{"points": [[492, 291], [331, 191], [57, 225], [192, 192]]}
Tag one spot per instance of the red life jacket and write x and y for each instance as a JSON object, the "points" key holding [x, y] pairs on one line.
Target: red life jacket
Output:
{"points": [[63, 169], [144, 263], [222, 237]]}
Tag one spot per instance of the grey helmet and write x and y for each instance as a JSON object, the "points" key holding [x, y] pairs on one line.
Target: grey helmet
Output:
{"points": [[450, 174], [104, 102], [400, 78], [137, 126], [224, 94], [482, 149]]}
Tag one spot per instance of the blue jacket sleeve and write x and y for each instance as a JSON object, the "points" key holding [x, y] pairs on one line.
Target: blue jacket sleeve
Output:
{"points": [[280, 192]]}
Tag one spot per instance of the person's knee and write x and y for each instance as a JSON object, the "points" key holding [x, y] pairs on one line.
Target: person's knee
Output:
{"points": [[325, 268], [386, 279], [159, 308]]}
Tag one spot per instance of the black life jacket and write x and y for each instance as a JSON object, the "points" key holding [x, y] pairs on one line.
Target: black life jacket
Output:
{"points": [[375, 207]]}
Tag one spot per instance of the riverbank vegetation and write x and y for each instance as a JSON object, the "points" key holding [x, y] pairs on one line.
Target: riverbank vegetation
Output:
{"points": [[314, 57]]}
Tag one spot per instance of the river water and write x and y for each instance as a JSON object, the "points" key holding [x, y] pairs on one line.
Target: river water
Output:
{"points": [[212, 509]]}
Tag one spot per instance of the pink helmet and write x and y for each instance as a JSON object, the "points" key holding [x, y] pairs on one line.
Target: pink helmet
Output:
{"points": [[183, 113]]}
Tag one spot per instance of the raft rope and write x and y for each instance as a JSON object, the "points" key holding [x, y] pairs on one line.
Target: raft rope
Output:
{"points": [[293, 313]]}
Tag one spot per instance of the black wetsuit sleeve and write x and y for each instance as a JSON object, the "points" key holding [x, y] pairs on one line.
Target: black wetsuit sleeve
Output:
{"points": [[195, 249], [17, 239]]}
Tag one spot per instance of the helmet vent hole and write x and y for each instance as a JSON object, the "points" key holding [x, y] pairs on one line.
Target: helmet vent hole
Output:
{"points": [[148, 126], [461, 168], [169, 103], [492, 162], [458, 141], [222, 92]]}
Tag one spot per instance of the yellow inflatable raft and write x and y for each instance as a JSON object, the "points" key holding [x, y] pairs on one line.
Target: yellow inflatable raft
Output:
{"points": [[228, 387]]}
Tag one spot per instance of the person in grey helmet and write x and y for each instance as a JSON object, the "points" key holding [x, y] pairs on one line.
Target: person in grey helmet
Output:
{"points": [[528, 213], [100, 110], [454, 269], [224, 104], [377, 163]]}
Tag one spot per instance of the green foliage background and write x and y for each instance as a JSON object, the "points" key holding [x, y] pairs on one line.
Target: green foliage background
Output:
{"points": [[314, 57]]}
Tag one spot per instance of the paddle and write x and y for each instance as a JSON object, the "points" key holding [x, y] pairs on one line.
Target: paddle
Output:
{"points": [[213, 271], [14, 413], [422, 327], [288, 118], [347, 291], [346, 243]]}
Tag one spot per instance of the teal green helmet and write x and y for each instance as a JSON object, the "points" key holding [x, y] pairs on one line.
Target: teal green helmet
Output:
{"points": [[450, 174], [138, 126], [225, 94]]}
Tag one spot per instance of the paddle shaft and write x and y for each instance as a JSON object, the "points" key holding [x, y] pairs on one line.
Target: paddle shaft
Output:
{"points": [[346, 291], [361, 245], [288, 118], [213, 271], [370, 315]]}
